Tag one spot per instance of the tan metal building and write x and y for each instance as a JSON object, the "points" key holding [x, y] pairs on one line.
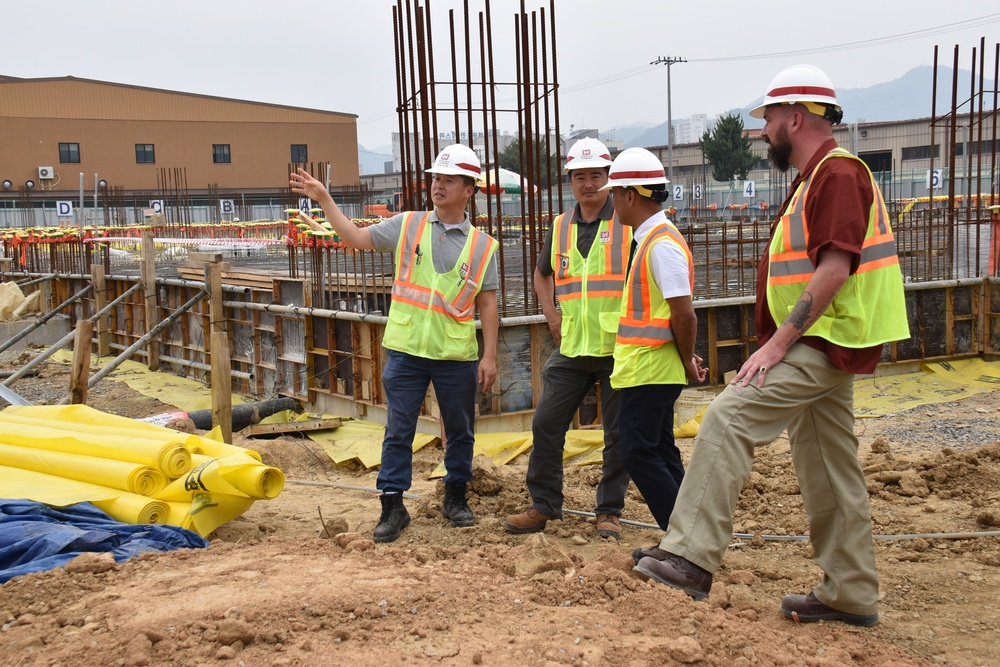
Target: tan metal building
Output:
{"points": [[53, 129]]}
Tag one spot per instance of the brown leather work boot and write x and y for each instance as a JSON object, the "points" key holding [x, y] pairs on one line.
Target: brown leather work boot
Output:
{"points": [[806, 608], [677, 572], [608, 525], [652, 552], [528, 521]]}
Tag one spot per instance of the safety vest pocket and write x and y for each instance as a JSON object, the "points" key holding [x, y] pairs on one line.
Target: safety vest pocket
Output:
{"points": [[609, 330], [397, 329], [568, 324]]}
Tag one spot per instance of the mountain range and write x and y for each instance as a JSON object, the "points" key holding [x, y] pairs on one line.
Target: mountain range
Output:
{"points": [[904, 98]]}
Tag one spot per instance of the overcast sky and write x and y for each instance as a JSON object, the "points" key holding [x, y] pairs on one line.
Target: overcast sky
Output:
{"points": [[338, 55]]}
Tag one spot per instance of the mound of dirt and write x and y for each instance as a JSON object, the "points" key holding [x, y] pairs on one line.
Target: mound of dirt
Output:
{"points": [[298, 580]]}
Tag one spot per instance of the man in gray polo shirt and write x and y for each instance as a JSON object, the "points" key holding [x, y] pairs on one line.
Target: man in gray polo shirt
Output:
{"points": [[444, 270]]}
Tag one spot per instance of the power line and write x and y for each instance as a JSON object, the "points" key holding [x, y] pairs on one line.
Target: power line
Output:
{"points": [[879, 41], [866, 43]]}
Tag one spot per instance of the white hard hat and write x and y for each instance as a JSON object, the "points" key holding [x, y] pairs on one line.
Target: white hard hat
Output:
{"points": [[802, 84], [637, 168], [457, 160], [588, 153]]}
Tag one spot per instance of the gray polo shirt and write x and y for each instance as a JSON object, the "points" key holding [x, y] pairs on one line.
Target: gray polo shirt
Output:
{"points": [[447, 242]]}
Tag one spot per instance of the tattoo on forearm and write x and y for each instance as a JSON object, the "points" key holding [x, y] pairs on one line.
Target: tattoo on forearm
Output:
{"points": [[804, 315]]}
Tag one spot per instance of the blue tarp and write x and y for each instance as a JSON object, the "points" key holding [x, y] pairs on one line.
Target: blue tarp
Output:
{"points": [[35, 537]]}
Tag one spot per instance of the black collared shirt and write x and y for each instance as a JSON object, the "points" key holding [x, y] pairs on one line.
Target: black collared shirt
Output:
{"points": [[586, 232]]}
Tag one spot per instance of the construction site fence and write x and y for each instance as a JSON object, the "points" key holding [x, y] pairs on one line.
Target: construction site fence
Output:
{"points": [[280, 343]]}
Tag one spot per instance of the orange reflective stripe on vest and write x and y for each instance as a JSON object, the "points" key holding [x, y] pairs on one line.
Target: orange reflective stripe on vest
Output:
{"points": [[606, 283], [638, 325]]}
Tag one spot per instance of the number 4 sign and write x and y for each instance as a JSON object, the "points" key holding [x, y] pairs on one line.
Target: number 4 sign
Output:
{"points": [[749, 190]]}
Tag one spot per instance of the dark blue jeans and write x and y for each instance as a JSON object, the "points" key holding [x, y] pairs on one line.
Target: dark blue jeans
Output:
{"points": [[405, 381], [652, 459]]}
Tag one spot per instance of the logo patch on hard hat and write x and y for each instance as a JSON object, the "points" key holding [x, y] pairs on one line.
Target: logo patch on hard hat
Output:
{"points": [[444, 157], [585, 152]]}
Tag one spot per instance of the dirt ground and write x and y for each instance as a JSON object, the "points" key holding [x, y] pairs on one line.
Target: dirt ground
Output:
{"points": [[298, 581]]}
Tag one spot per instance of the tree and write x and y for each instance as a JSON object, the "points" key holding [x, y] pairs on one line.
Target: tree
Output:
{"points": [[727, 149], [510, 158]]}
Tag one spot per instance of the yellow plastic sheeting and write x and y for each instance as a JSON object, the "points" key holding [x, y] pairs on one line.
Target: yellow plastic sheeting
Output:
{"points": [[971, 372], [501, 448], [132, 477], [354, 440], [59, 491], [183, 393], [880, 396], [584, 447], [223, 483]]}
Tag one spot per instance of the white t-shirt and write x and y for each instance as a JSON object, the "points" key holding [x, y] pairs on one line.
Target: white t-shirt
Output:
{"points": [[670, 264]]}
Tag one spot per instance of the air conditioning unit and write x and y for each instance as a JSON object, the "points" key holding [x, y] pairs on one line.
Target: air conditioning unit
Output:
{"points": [[46, 173]]}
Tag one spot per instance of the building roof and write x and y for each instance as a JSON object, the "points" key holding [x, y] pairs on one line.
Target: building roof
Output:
{"points": [[73, 97]]}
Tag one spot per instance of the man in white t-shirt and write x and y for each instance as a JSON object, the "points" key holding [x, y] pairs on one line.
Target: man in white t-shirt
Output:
{"points": [[654, 349]]}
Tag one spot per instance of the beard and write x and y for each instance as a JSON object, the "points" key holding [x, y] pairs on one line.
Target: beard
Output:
{"points": [[779, 150]]}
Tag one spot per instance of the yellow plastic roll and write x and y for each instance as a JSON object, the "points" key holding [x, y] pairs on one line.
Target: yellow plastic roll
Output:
{"points": [[89, 420], [135, 509], [60, 492], [133, 477], [237, 474], [172, 459], [207, 445]]}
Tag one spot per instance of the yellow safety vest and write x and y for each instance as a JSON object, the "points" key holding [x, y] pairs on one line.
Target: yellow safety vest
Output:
{"points": [[432, 314], [870, 308], [589, 288], [645, 351]]}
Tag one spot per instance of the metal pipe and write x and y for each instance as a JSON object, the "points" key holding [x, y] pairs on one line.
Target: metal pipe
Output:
{"points": [[314, 312], [163, 324], [243, 375], [58, 345], [49, 276], [179, 282], [24, 333]]}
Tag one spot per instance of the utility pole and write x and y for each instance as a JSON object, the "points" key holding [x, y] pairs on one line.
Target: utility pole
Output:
{"points": [[668, 61]]}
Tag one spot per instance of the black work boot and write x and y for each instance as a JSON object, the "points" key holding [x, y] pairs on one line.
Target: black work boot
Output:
{"points": [[455, 508], [394, 518]]}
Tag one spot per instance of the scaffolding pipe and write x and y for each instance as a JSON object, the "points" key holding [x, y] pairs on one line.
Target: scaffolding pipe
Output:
{"points": [[24, 333], [59, 344], [163, 324], [48, 276], [188, 363]]}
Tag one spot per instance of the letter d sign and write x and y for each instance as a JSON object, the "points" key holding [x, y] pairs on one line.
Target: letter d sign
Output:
{"points": [[64, 208]]}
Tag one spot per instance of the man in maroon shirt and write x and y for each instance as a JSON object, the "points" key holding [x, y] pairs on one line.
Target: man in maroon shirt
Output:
{"points": [[829, 294]]}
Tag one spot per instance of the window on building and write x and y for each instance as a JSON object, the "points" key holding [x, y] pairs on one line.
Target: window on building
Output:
{"points": [[300, 153], [144, 154], [69, 153], [986, 148], [220, 154], [920, 152]]}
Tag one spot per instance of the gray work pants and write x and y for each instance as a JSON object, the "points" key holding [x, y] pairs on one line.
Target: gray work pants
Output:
{"points": [[566, 381]]}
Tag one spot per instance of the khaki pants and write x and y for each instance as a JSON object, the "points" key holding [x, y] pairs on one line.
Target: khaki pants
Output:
{"points": [[814, 401]]}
